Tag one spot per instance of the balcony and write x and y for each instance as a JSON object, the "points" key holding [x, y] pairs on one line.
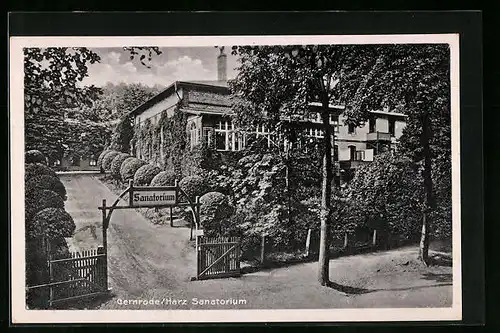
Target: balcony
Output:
{"points": [[378, 136]]}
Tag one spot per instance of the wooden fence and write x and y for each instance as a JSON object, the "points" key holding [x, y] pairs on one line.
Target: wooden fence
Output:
{"points": [[218, 257], [75, 276]]}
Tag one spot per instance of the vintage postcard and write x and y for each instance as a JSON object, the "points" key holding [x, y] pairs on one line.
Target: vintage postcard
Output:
{"points": [[235, 179]]}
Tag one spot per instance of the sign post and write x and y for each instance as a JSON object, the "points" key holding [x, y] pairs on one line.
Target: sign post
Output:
{"points": [[149, 197]]}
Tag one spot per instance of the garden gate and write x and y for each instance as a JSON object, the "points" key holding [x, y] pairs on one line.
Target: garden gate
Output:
{"points": [[217, 257]]}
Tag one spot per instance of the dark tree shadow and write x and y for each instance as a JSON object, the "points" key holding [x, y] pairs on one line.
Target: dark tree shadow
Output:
{"points": [[440, 260], [348, 289], [446, 277]]}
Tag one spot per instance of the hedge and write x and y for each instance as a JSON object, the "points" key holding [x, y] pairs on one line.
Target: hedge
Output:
{"points": [[215, 210], [129, 168], [193, 186], [52, 223], [164, 178], [38, 169], [38, 200], [101, 156], [35, 156], [116, 164], [145, 174], [45, 182], [106, 161]]}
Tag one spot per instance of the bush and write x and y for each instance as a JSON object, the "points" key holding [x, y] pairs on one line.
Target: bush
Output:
{"points": [[100, 158], [35, 156], [116, 165], [45, 182], [193, 186], [129, 168], [106, 161], [51, 223], [38, 169], [36, 201], [145, 174], [214, 212], [164, 178]]}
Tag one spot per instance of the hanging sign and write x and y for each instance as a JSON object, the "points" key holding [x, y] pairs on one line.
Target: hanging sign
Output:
{"points": [[153, 196]]}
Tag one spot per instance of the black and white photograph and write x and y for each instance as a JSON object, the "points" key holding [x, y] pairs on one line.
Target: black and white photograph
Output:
{"points": [[307, 177]]}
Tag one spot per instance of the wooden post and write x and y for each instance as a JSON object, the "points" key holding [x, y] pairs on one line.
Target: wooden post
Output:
{"points": [[346, 240], [308, 242], [51, 274], [104, 226], [171, 217], [263, 249], [374, 239], [104, 265]]}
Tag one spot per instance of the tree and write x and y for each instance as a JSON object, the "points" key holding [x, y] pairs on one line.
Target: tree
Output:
{"points": [[416, 80], [51, 78], [278, 83]]}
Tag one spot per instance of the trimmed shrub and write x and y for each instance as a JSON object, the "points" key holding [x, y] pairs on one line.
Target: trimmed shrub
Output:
{"points": [[129, 168], [35, 156], [164, 178], [116, 164], [38, 169], [38, 200], [193, 186], [106, 160], [101, 156], [214, 213], [51, 223], [45, 182], [145, 174]]}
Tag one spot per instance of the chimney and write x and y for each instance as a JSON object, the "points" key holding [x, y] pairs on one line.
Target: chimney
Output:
{"points": [[222, 66]]}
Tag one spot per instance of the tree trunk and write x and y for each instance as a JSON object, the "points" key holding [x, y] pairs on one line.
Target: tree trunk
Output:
{"points": [[324, 242], [429, 198]]}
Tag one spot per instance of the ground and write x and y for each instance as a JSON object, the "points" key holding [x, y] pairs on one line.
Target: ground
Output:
{"points": [[155, 262]]}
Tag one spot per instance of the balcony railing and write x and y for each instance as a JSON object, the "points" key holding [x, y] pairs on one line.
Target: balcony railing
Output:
{"points": [[381, 136]]}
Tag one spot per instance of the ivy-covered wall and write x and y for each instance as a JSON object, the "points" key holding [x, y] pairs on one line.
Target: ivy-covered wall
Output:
{"points": [[177, 153]]}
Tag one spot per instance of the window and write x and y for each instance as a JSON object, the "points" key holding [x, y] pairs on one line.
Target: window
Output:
{"points": [[194, 135], [334, 121], [207, 136], [336, 153], [352, 153], [226, 138], [351, 129], [262, 131], [392, 127], [371, 124], [360, 155], [92, 161]]}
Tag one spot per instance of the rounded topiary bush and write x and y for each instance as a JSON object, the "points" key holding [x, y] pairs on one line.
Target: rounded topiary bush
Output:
{"points": [[101, 156], [130, 167], [107, 159], [51, 223], [164, 178], [38, 200], [38, 169], [45, 182], [35, 156], [116, 164], [214, 212], [193, 186], [145, 174]]}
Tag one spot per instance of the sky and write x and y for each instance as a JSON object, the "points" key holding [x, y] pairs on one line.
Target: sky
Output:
{"points": [[180, 63]]}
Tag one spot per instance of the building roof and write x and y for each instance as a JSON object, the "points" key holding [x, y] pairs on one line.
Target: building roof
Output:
{"points": [[215, 86]]}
